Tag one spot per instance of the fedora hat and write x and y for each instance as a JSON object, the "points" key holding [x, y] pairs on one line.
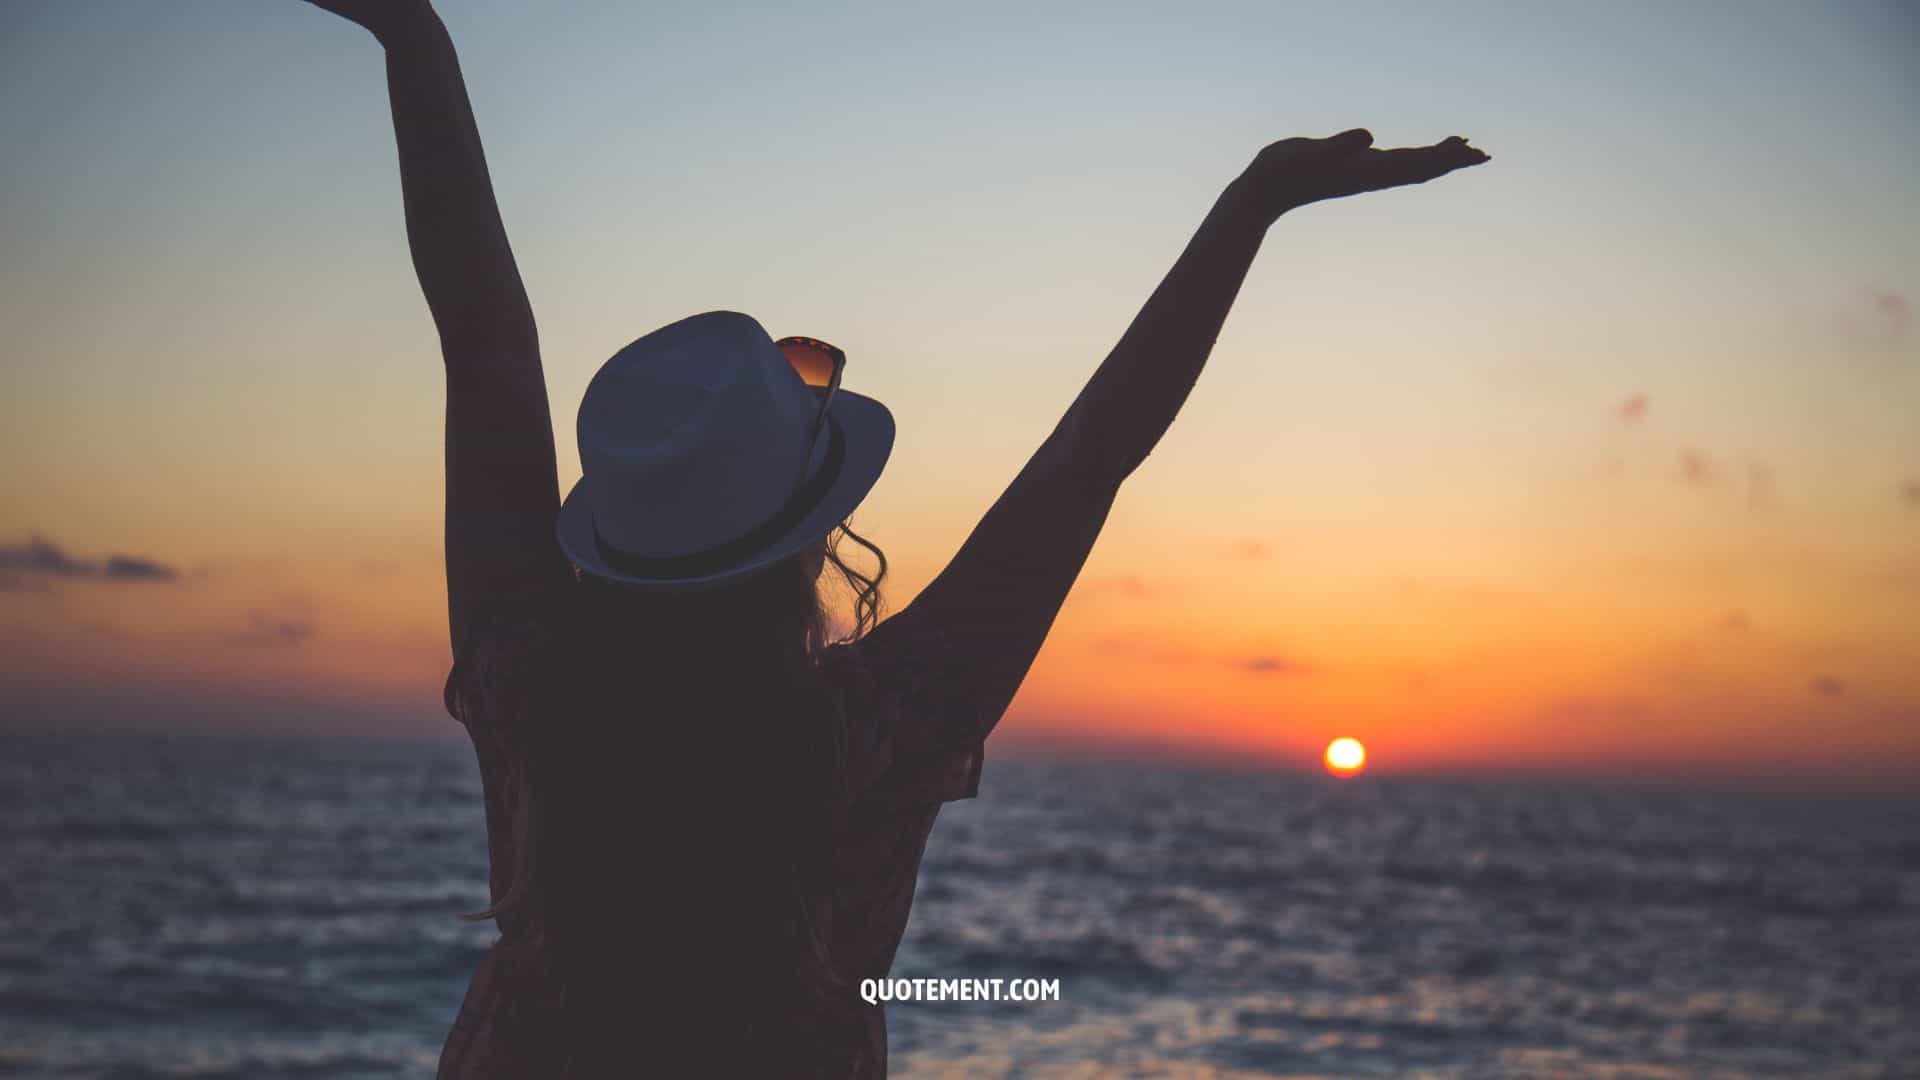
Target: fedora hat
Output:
{"points": [[697, 470]]}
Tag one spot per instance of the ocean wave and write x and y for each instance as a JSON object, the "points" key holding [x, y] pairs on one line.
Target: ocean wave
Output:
{"points": [[248, 910]]}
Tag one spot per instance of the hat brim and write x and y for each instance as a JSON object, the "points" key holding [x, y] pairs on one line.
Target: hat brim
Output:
{"points": [[867, 428]]}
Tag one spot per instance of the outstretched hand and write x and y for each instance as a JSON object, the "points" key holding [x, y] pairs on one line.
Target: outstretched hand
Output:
{"points": [[1294, 172]]}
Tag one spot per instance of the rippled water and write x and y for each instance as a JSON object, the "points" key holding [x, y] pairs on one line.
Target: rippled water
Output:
{"points": [[233, 908]]}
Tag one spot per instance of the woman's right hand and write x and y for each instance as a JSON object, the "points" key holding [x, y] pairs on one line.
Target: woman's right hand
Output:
{"points": [[382, 17]]}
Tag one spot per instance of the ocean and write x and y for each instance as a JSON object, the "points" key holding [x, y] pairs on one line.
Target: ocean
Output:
{"points": [[240, 908]]}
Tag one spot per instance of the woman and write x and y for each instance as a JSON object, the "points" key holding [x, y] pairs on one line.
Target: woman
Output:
{"points": [[705, 815]]}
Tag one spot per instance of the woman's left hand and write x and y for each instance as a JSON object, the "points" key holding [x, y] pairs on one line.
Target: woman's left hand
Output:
{"points": [[1294, 172]]}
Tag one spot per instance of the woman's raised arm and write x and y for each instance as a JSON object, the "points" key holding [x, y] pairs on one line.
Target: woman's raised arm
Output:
{"points": [[502, 483], [1133, 397], [974, 631]]}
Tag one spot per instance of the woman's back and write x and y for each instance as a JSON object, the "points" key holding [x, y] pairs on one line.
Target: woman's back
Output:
{"points": [[737, 844], [662, 801]]}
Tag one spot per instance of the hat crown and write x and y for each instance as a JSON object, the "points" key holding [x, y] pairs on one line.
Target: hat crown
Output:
{"points": [[693, 435]]}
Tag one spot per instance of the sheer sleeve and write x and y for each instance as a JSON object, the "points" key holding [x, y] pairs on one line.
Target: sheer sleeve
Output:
{"points": [[490, 692], [951, 661]]}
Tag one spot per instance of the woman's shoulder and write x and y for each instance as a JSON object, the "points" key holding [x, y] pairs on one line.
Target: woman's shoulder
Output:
{"points": [[901, 655], [507, 648]]}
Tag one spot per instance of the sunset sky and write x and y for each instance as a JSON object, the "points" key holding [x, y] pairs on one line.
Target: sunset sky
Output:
{"points": [[1601, 457]]}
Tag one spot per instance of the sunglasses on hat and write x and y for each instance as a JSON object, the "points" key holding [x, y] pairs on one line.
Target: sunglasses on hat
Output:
{"points": [[819, 364]]}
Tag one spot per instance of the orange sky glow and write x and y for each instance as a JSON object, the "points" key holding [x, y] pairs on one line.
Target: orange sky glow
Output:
{"points": [[1588, 462]]}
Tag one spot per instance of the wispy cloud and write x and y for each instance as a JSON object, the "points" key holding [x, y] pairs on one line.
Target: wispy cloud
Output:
{"points": [[266, 629], [1143, 647], [42, 558], [1633, 410], [1251, 547], [1697, 468], [1734, 622], [1896, 313], [130, 568], [417, 561], [1759, 484], [1124, 584], [1877, 318], [1828, 686], [1753, 478], [1147, 648], [1272, 665], [1910, 493], [1584, 709], [39, 555]]}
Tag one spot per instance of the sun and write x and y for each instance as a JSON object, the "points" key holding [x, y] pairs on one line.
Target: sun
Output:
{"points": [[1345, 756]]}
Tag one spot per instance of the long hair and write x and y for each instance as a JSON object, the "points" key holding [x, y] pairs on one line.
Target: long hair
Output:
{"points": [[677, 793]]}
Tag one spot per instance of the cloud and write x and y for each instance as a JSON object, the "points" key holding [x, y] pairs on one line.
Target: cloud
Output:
{"points": [[1697, 468], [1828, 686], [1735, 622], [1759, 484], [1143, 647], [1896, 313], [1251, 547], [1701, 469], [1272, 665], [129, 568], [1413, 677], [1633, 410], [265, 629], [416, 561], [1875, 319], [1579, 709], [1910, 493], [40, 556], [1154, 649], [1125, 584]]}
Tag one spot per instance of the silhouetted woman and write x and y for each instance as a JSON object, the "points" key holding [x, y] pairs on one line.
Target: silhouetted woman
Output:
{"points": [[705, 814]]}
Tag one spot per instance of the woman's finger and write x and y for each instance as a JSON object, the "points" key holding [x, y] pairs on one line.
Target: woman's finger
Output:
{"points": [[1347, 142], [1417, 165]]}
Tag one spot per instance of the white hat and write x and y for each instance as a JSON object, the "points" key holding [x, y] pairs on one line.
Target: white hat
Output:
{"points": [[692, 441]]}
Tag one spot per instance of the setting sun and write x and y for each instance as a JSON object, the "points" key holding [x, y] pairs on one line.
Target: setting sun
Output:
{"points": [[1345, 756]]}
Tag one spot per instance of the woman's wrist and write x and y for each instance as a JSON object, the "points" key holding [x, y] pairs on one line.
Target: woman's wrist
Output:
{"points": [[411, 23], [1244, 204]]}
